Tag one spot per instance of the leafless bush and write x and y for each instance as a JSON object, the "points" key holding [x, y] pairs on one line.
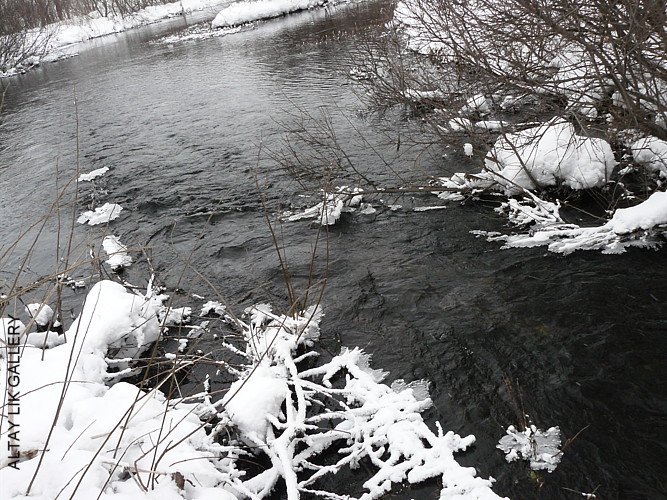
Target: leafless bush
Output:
{"points": [[593, 61]]}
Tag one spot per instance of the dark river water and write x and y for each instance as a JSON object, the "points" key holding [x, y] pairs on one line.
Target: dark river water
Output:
{"points": [[186, 129]]}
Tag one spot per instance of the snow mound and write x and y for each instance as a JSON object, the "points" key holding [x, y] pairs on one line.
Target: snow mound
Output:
{"points": [[42, 313], [101, 215], [651, 153], [113, 323], [549, 155], [249, 11]]}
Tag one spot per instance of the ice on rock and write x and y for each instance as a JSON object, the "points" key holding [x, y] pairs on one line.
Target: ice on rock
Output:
{"points": [[539, 447], [93, 175], [117, 252], [101, 215]]}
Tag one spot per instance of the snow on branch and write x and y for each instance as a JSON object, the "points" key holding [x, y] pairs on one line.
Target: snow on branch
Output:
{"points": [[334, 203], [302, 421], [295, 416]]}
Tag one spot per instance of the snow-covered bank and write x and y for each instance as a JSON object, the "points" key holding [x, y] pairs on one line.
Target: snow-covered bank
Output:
{"points": [[253, 10], [60, 38], [543, 113], [83, 433]]}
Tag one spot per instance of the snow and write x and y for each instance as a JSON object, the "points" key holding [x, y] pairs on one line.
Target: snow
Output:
{"points": [[492, 125], [93, 175], [539, 447], [112, 440], [101, 215], [651, 153], [248, 11], [42, 313], [549, 155], [328, 212], [646, 215], [117, 252], [477, 104], [214, 307], [174, 316], [460, 125], [59, 38], [467, 149], [112, 320], [643, 225], [252, 400]]}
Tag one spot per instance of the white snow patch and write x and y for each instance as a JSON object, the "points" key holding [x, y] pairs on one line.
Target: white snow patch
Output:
{"points": [[248, 11], [548, 155], [117, 252], [477, 104], [537, 446], [213, 307], [93, 175], [174, 316], [651, 153], [101, 215], [42, 313]]}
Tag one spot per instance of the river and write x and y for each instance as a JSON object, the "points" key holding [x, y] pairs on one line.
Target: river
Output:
{"points": [[186, 129]]}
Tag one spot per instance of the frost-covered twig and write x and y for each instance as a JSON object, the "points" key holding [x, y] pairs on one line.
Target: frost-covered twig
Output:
{"points": [[279, 409]]}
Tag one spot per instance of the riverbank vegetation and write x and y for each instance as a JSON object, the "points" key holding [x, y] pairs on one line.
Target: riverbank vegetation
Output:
{"points": [[33, 32], [557, 109]]}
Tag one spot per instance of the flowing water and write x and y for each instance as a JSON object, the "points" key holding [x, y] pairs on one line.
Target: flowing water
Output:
{"points": [[184, 128]]}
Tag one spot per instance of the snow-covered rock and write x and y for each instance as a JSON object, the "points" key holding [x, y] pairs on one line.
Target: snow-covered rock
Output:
{"points": [[549, 155], [117, 252], [535, 445], [101, 215], [42, 313], [651, 153]]}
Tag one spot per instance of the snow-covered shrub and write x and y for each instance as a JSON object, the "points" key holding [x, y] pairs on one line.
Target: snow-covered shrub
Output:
{"points": [[86, 434], [541, 98], [651, 153]]}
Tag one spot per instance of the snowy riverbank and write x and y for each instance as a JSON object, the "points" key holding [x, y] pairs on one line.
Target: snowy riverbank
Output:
{"points": [[59, 40]]}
